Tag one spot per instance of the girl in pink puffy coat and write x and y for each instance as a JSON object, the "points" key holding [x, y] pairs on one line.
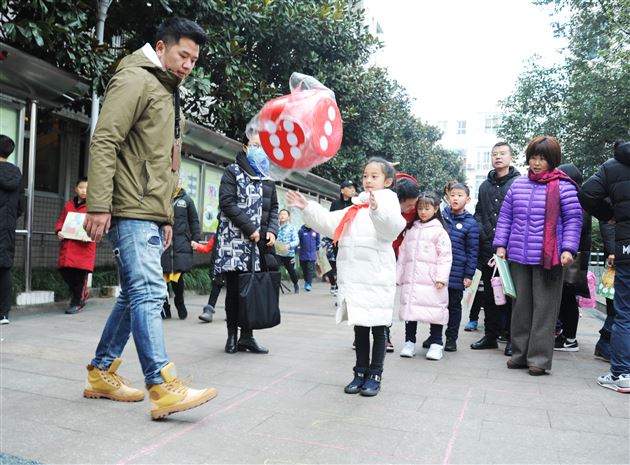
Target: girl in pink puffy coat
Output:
{"points": [[423, 268]]}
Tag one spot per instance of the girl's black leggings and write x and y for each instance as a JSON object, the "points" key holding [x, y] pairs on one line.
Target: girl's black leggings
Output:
{"points": [[362, 344]]}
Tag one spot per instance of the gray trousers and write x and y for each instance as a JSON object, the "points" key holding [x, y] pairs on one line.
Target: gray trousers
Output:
{"points": [[534, 314]]}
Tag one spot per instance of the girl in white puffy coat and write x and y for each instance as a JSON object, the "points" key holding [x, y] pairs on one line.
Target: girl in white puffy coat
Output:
{"points": [[366, 265], [422, 272]]}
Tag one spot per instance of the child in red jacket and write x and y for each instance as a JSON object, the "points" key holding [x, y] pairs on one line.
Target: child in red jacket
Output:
{"points": [[76, 258]]}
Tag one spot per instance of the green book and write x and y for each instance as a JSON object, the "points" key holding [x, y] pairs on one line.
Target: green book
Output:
{"points": [[506, 277]]}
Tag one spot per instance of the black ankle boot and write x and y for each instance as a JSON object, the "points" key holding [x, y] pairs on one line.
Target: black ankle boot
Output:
{"points": [[231, 346], [182, 312], [372, 383], [166, 311], [355, 385], [247, 342]]}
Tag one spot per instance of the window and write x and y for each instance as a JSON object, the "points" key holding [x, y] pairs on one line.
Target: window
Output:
{"points": [[9, 122], [47, 154], [478, 181], [461, 127], [492, 123], [483, 160]]}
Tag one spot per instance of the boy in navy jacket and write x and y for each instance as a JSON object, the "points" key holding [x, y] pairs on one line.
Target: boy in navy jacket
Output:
{"points": [[463, 230], [309, 243]]}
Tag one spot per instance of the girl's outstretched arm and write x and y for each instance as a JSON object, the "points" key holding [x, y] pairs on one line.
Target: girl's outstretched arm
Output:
{"points": [[316, 216]]}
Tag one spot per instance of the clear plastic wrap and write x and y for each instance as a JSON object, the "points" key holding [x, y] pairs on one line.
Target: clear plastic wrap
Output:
{"points": [[301, 130]]}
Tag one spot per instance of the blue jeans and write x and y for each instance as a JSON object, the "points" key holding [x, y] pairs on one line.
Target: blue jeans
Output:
{"points": [[137, 246], [620, 334]]}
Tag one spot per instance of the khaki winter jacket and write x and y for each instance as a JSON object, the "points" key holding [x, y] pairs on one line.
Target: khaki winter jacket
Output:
{"points": [[130, 155]]}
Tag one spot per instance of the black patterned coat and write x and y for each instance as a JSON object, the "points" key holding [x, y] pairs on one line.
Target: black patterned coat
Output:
{"points": [[247, 203]]}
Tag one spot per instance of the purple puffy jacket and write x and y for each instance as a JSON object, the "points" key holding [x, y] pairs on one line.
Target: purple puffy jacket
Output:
{"points": [[522, 218]]}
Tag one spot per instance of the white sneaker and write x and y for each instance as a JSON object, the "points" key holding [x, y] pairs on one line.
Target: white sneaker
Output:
{"points": [[4, 320], [409, 350], [619, 383], [435, 352]]}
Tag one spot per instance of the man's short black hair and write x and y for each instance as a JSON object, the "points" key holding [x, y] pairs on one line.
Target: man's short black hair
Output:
{"points": [[6, 146], [80, 180], [173, 29]]}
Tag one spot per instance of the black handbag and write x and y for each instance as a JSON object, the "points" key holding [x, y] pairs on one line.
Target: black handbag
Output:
{"points": [[575, 275], [258, 298]]}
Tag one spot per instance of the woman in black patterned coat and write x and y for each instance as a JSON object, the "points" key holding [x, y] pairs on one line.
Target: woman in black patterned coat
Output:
{"points": [[248, 207]]}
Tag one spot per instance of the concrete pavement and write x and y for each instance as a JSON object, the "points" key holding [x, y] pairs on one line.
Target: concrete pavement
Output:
{"points": [[289, 406]]}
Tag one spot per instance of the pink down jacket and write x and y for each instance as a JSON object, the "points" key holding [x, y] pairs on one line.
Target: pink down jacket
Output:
{"points": [[425, 258]]}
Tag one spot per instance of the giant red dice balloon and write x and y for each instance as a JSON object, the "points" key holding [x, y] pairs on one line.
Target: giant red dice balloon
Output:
{"points": [[301, 130]]}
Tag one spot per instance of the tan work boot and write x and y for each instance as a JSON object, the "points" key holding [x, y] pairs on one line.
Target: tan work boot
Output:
{"points": [[110, 385], [174, 396]]}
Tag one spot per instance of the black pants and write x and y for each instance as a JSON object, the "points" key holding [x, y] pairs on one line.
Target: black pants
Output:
{"points": [[610, 317], [5, 291], [411, 328], [231, 298], [289, 264], [478, 303], [178, 289], [76, 280], [569, 312], [492, 321], [454, 312], [308, 268], [217, 285], [362, 343], [332, 274]]}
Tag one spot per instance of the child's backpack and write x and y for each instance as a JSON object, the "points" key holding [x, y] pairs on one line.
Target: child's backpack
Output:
{"points": [[590, 302]]}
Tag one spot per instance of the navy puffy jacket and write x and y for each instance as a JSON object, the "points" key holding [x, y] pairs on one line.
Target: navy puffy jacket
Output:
{"points": [[464, 233], [309, 243]]}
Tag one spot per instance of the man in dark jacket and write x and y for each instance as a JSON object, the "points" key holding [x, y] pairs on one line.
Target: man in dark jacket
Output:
{"points": [[348, 190], [606, 196], [489, 200], [10, 209], [178, 258]]}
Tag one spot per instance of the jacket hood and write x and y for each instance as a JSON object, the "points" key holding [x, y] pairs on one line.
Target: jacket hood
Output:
{"points": [[10, 176], [573, 172], [180, 193], [146, 58], [622, 153], [492, 176]]}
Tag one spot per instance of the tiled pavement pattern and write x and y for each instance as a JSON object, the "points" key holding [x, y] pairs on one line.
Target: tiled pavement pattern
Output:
{"points": [[289, 406]]}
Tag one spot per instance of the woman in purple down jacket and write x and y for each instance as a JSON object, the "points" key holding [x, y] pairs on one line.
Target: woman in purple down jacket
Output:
{"points": [[539, 225]]}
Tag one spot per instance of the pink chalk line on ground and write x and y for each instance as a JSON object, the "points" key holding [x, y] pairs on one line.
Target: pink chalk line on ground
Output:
{"points": [[455, 432], [171, 437]]}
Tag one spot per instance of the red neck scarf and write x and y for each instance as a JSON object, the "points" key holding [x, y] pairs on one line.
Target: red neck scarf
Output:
{"points": [[550, 256], [348, 218]]}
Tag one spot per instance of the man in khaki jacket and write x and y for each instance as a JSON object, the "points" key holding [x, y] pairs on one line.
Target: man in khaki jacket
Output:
{"points": [[134, 164]]}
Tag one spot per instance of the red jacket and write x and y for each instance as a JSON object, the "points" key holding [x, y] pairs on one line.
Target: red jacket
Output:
{"points": [[409, 217], [75, 254]]}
